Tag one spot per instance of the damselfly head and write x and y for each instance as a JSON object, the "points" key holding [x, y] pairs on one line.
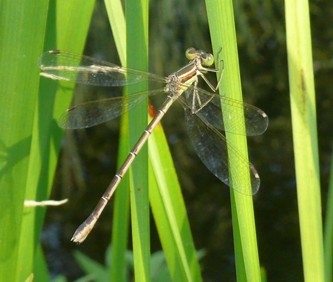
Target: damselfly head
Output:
{"points": [[207, 59]]}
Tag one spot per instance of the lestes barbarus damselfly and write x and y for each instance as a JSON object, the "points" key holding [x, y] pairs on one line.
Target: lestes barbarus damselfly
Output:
{"points": [[202, 111]]}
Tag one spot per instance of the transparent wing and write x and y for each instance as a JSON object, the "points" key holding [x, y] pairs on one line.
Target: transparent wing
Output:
{"points": [[208, 107], [61, 65], [210, 145], [96, 112]]}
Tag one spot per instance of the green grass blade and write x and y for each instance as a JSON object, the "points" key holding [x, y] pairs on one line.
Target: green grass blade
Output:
{"points": [[304, 123], [40, 140], [170, 212], [41, 273], [119, 241], [19, 50], [117, 23], [177, 242], [94, 270], [137, 58], [223, 35], [121, 214], [328, 238]]}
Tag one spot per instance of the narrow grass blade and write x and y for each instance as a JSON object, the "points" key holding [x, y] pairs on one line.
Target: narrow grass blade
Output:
{"points": [[328, 238], [169, 209], [120, 223], [94, 270], [117, 23], [45, 136], [222, 30], [20, 45], [136, 13], [304, 123], [119, 241], [170, 213], [41, 273]]}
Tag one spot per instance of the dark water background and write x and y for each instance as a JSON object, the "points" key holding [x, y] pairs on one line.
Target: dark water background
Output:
{"points": [[88, 157]]}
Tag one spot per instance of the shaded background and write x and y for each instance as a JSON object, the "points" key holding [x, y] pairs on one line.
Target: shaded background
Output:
{"points": [[88, 157]]}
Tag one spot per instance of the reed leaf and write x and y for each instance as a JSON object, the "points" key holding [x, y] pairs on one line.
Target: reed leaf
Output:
{"points": [[222, 29], [304, 123]]}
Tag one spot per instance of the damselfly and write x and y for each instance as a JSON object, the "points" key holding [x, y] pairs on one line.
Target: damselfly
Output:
{"points": [[203, 113]]}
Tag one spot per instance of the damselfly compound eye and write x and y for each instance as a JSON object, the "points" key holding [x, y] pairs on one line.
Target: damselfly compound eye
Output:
{"points": [[191, 53], [207, 60]]}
